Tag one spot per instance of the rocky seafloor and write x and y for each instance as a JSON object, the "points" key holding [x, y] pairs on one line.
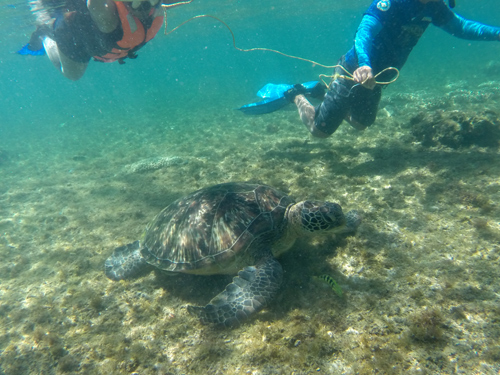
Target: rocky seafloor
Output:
{"points": [[419, 279]]}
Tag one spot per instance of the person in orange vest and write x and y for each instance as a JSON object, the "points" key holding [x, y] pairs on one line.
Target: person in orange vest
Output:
{"points": [[104, 30]]}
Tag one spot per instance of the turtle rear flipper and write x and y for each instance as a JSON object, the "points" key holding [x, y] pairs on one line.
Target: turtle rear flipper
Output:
{"points": [[126, 262], [250, 291]]}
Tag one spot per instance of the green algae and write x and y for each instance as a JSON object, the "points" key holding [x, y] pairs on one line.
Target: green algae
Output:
{"points": [[419, 277], [427, 326]]}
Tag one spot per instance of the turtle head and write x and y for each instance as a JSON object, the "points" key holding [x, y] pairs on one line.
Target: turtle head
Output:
{"points": [[313, 216]]}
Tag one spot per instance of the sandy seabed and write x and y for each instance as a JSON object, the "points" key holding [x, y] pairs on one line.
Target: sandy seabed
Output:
{"points": [[420, 278]]}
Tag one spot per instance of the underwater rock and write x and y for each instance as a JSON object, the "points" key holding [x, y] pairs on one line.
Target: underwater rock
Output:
{"points": [[485, 92], [456, 129], [152, 164]]}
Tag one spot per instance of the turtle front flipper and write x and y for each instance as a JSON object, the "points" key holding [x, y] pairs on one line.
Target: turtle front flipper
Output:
{"points": [[250, 291], [125, 262]]}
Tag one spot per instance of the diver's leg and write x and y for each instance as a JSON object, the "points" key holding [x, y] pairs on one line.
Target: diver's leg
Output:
{"points": [[307, 114], [355, 124], [36, 39], [364, 107], [69, 68], [52, 51], [332, 111], [324, 120]]}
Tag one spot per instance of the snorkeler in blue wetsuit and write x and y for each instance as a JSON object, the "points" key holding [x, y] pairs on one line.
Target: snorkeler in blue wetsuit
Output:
{"points": [[387, 34]]}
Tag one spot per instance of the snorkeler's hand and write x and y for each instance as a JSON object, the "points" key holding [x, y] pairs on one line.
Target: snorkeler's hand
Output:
{"points": [[364, 76]]}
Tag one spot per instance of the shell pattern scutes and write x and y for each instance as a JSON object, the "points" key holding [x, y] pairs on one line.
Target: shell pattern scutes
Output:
{"points": [[214, 225]]}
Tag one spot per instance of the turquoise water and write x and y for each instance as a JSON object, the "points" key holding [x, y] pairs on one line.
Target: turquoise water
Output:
{"points": [[419, 279], [197, 63]]}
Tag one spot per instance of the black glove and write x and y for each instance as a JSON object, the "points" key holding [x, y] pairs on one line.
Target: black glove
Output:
{"points": [[297, 89], [318, 91]]}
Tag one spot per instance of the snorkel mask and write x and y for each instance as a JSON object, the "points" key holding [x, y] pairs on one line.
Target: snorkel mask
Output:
{"points": [[451, 3]]}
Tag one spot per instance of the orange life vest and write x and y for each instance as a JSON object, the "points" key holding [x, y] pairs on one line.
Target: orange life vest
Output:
{"points": [[135, 34]]}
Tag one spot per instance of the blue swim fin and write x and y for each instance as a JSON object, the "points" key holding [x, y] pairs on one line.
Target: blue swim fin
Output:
{"points": [[274, 98], [27, 51], [264, 106]]}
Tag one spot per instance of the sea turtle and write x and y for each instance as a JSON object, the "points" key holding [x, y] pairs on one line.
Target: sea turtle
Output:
{"points": [[224, 229]]}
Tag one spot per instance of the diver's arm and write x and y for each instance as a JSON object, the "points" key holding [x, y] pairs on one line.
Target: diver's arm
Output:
{"points": [[104, 14], [367, 30], [471, 30]]}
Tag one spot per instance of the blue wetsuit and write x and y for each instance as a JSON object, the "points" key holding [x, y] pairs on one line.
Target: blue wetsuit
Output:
{"points": [[386, 35]]}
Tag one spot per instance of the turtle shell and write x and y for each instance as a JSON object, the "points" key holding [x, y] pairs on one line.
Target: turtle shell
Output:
{"points": [[215, 230]]}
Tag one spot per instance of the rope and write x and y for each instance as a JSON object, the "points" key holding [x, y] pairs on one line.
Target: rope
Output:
{"points": [[351, 78], [348, 75], [173, 5]]}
